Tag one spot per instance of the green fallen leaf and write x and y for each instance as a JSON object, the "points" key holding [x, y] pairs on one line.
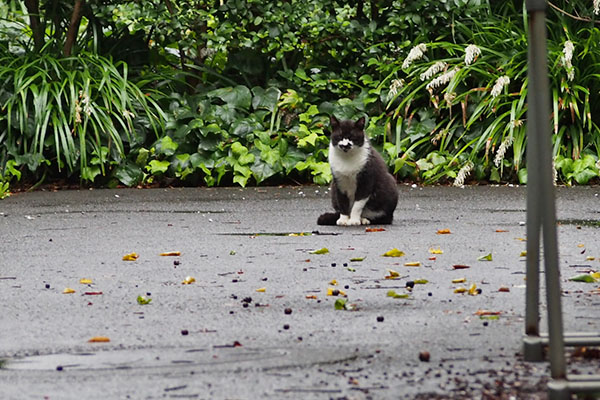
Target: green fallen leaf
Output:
{"points": [[351, 269], [324, 250], [485, 258], [392, 293], [340, 304], [587, 278], [143, 300], [420, 281], [393, 253], [489, 317], [356, 259]]}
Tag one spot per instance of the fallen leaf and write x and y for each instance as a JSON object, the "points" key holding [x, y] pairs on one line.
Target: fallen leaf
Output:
{"points": [[333, 282], [340, 304], [490, 317], [487, 257], [130, 257], [443, 232], [487, 312], [581, 245], [420, 281], [335, 292], [374, 229], [503, 289], [436, 251], [92, 293], [311, 296], [351, 269], [171, 253], [501, 230], [68, 291], [188, 280], [324, 250], [393, 253], [392, 274], [357, 259], [392, 293], [99, 339], [261, 290], [142, 300], [459, 280], [523, 254], [587, 278], [521, 239], [85, 281], [473, 290], [460, 290], [588, 258], [460, 266], [432, 258], [412, 264]]}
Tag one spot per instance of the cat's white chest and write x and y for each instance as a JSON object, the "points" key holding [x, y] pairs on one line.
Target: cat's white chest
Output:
{"points": [[345, 167]]}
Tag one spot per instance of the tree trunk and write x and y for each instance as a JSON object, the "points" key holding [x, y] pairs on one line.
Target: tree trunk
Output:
{"points": [[37, 28], [73, 27]]}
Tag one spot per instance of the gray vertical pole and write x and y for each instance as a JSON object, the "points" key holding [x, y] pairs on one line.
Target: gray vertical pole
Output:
{"points": [[540, 154]]}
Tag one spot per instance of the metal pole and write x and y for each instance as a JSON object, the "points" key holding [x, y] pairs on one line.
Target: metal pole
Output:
{"points": [[540, 149]]}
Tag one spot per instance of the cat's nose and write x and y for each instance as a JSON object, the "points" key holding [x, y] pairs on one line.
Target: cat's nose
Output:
{"points": [[345, 146]]}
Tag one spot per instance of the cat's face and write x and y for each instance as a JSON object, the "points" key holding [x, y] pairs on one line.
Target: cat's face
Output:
{"points": [[347, 135]]}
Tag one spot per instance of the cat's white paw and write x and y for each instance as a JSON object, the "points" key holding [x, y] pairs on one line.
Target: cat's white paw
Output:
{"points": [[343, 220], [365, 221], [353, 222]]}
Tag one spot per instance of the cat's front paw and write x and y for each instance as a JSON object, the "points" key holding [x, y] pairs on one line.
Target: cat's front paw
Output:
{"points": [[365, 221], [343, 220], [354, 222]]}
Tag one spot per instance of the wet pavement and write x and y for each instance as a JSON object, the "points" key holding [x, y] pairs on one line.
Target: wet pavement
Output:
{"points": [[258, 322]]}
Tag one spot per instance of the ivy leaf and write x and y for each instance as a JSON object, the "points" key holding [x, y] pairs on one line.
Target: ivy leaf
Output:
{"points": [[238, 97], [324, 250], [158, 167], [129, 174]]}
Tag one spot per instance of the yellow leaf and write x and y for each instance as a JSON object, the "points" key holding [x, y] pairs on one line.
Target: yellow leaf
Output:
{"points": [[85, 281], [473, 290], [459, 280], [333, 282], [68, 291], [588, 258], [393, 253], [171, 253], [412, 264], [130, 257], [99, 339], [521, 239], [595, 275], [523, 254], [188, 280], [443, 232], [335, 292], [393, 274], [581, 245], [460, 290], [261, 290], [436, 251]]}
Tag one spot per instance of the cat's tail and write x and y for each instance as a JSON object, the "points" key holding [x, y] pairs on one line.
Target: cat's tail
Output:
{"points": [[328, 218]]}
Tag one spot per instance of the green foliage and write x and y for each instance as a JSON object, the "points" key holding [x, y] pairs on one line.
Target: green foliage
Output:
{"points": [[231, 92]]}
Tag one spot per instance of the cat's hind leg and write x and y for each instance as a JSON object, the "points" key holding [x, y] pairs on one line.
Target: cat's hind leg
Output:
{"points": [[328, 218]]}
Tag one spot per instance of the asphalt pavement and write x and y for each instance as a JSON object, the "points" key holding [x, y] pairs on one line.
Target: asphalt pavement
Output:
{"points": [[256, 301]]}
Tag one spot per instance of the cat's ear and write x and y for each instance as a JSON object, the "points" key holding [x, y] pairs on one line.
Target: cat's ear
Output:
{"points": [[334, 122], [360, 124]]}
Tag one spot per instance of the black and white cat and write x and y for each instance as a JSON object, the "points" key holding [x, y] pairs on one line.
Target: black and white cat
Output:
{"points": [[363, 191]]}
